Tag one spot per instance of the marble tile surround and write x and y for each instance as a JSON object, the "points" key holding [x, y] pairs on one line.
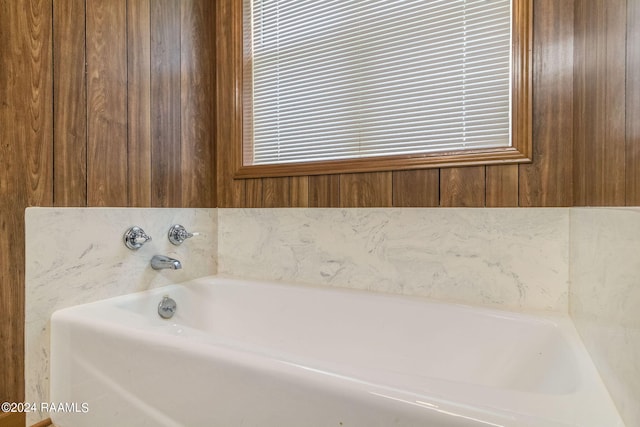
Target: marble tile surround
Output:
{"points": [[76, 255], [514, 259], [605, 298]]}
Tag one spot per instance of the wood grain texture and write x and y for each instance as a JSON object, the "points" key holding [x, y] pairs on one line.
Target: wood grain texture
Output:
{"points": [[229, 56], [107, 103], [70, 103], [548, 180], [12, 419], [522, 77], [365, 190], [462, 187], [416, 188], [383, 163], [26, 175], [192, 85], [44, 423], [12, 300], [501, 186], [37, 103], [276, 192], [139, 102], [324, 191], [253, 193], [299, 192], [197, 99], [166, 176], [599, 99], [612, 181], [632, 109]]}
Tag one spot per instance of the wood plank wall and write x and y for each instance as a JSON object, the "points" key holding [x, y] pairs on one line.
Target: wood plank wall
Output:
{"points": [[585, 144], [26, 129], [102, 103], [134, 127], [632, 108], [599, 102]]}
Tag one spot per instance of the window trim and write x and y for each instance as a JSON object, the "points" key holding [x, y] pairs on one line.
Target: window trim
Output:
{"points": [[230, 109]]}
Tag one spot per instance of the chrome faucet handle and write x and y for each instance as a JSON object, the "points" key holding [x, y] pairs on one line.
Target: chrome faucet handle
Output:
{"points": [[135, 237], [178, 234]]}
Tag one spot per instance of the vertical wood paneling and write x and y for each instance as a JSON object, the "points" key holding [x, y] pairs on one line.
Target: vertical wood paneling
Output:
{"points": [[229, 56], [584, 38], [37, 151], [26, 175], [324, 191], [464, 187], [276, 192], [419, 188], [11, 302], [194, 82], [166, 181], [139, 102], [548, 180], [198, 97], [253, 193], [363, 190], [12, 419], [633, 104], [613, 125], [501, 186], [599, 97], [300, 191], [107, 102], [70, 103]]}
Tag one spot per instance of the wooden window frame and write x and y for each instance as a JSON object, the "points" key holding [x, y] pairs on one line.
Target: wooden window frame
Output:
{"points": [[231, 61]]}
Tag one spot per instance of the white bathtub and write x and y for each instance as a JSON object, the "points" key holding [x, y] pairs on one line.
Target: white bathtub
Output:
{"points": [[241, 353]]}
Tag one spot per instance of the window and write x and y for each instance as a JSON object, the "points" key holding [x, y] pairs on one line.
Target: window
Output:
{"points": [[360, 85]]}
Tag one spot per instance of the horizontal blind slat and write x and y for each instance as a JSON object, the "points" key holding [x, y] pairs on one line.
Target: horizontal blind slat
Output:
{"points": [[354, 78]]}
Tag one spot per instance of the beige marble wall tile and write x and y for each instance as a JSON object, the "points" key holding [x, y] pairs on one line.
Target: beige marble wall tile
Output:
{"points": [[605, 298], [508, 258]]}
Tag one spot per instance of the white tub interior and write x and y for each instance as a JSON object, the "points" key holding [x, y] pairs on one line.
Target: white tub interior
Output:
{"points": [[269, 354]]}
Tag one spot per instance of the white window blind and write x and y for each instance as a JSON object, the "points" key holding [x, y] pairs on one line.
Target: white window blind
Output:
{"points": [[359, 78]]}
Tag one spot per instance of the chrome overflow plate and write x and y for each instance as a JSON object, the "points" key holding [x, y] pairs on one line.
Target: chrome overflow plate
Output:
{"points": [[167, 307], [135, 237]]}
